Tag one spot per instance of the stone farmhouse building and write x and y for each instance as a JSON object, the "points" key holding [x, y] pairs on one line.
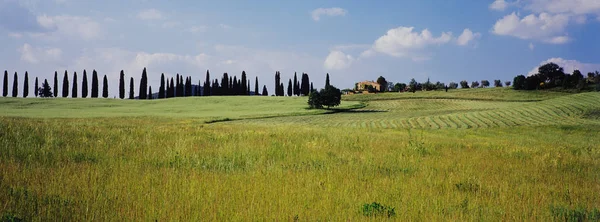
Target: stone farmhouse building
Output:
{"points": [[362, 86]]}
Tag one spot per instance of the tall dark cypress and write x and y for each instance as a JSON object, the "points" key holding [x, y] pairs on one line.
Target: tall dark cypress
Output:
{"points": [[84, 85], [105, 87], [131, 92], [94, 84], [305, 85], [290, 89], [122, 85], [296, 85], [172, 90], [244, 83], [55, 90], [248, 89], [281, 90], [224, 85], [143, 85], [5, 84], [277, 83], [256, 87], [35, 90], [327, 81], [26, 85], [235, 87], [167, 88], [206, 90], [188, 86], [311, 87], [161, 89], [74, 92], [15, 89], [65, 90], [149, 92], [199, 88]]}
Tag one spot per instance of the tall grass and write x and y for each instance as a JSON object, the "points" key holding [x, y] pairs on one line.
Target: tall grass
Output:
{"points": [[178, 169]]}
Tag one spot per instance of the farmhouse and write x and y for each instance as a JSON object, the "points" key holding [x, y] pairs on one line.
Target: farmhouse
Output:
{"points": [[363, 86]]}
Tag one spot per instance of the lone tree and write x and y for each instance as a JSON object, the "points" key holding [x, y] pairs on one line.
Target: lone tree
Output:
{"points": [[327, 80], [26, 85], [161, 89], [485, 83], [84, 85], [94, 84], [122, 85], [15, 89], [328, 97], [550, 73], [131, 93], [474, 84], [5, 84], [382, 83], [55, 92], [105, 87], [65, 89], [143, 85], [264, 91], [464, 84], [35, 91], [74, 92], [497, 83], [45, 91]]}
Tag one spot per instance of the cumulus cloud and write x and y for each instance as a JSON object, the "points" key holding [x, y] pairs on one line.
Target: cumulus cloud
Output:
{"points": [[467, 36], [568, 65], [337, 60], [317, 13], [402, 41], [545, 27], [66, 26], [35, 55], [150, 14], [573, 7]]}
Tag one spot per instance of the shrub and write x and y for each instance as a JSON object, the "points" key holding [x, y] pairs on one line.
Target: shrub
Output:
{"points": [[377, 210]]}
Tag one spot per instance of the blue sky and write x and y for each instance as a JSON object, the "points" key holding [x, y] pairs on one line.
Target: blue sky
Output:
{"points": [[351, 40]]}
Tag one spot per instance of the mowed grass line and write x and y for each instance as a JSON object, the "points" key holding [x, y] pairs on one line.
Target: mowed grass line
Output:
{"points": [[168, 169]]}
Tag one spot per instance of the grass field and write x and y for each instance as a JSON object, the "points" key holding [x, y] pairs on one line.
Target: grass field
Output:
{"points": [[481, 154]]}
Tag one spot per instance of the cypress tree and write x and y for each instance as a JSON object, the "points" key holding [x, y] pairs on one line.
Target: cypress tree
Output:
{"points": [[296, 85], [5, 84], [26, 85], [65, 89], [131, 92], [150, 92], [235, 88], [15, 89], [172, 90], [74, 92], [248, 89], [161, 89], [290, 89], [55, 92], [143, 85], [188, 86], [206, 90], [311, 87], [94, 84], [35, 91], [327, 81], [230, 86], [305, 85], [105, 87], [281, 90], [256, 87], [122, 85], [277, 82], [224, 84], [264, 91], [245, 82], [84, 85], [167, 88]]}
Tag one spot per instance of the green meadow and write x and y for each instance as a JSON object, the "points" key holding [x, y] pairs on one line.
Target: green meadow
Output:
{"points": [[478, 154]]}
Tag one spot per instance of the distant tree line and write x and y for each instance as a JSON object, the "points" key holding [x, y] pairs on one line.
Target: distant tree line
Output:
{"points": [[413, 85], [551, 75], [178, 86]]}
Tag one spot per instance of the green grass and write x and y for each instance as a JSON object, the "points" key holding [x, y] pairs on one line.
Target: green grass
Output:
{"points": [[315, 167]]}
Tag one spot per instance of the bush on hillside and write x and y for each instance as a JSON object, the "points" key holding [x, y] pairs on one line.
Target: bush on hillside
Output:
{"points": [[328, 97]]}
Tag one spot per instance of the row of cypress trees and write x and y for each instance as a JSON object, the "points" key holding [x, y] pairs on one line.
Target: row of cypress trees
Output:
{"points": [[178, 87]]}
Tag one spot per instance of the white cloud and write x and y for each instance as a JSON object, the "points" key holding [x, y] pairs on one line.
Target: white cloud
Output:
{"points": [[572, 7], [36, 55], [402, 41], [531, 46], [499, 5], [545, 27], [66, 25], [568, 66], [150, 14], [337, 60], [467, 36], [317, 13]]}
